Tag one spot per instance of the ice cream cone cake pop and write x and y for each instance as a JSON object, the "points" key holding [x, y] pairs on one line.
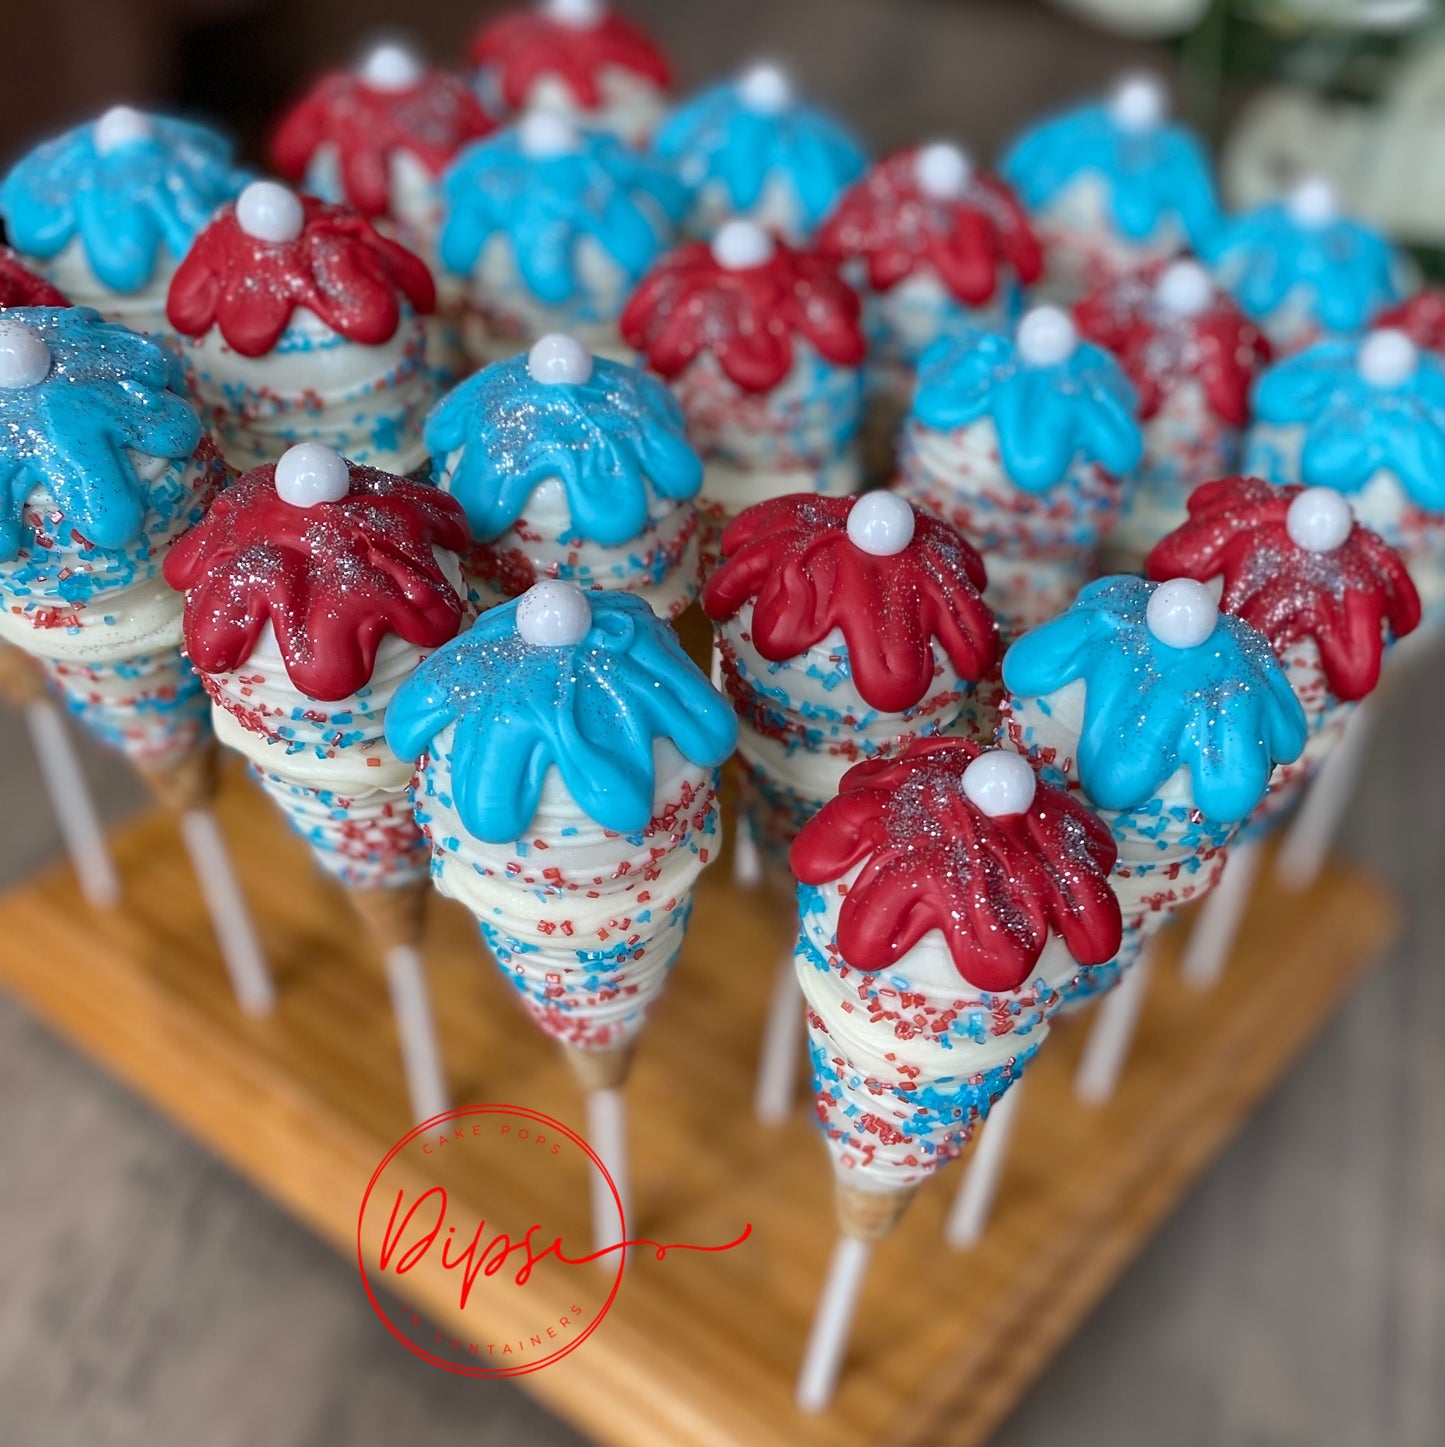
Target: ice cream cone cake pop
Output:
{"points": [[1304, 272], [1366, 418], [1112, 186], [377, 138], [551, 226], [1020, 441], [103, 465], [574, 467], [847, 627], [576, 58], [1192, 358], [934, 245], [753, 148], [948, 897], [301, 323], [313, 588], [22, 683], [930, 890], [107, 210], [1170, 716], [1330, 596], [569, 791], [763, 346]]}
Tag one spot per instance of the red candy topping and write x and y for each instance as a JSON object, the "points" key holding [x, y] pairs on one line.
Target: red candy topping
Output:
{"points": [[690, 304], [333, 579], [933, 860], [528, 44], [1421, 318], [792, 558], [432, 121], [1222, 348], [1342, 599], [19, 286], [968, 241], [339, 267]]}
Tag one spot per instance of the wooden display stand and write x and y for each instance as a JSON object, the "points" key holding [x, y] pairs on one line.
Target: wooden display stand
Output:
{"points": [[699, 1351]]}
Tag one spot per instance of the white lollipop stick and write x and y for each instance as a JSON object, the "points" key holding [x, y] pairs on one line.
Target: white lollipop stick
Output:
{"points": [[833, 1324], [1216, 926], [1310, 837], [230, 918], [972, 1207], [782, 1047], [421, 1055], [747, 861], [1107, 1047], [75, 812], [607, 1135]]}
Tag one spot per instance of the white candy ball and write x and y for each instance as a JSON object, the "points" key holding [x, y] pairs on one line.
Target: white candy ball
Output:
{"points": [[542, 134], [880, 523], [942, 171], [1319, 520], [24, 357], [765, 88], [1139, 102], [269, 212], [553, 614], [1387, 358], [1313, 202], [579, 14], [1182, 613], [121, 126], [391, 66], [742, 244], [1046, 337], [1000, 782], [558, 358], [1184, 289], [309, 473]]}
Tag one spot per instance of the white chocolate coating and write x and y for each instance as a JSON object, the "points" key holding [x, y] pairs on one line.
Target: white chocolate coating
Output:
{"points": [[141, 311], [585, 923], [897, 1096], [367, 403]]}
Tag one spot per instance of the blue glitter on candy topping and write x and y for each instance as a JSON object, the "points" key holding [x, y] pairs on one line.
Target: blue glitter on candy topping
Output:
{"points": [[615, 441], [592, 709], [1354, 427], [1224, 709], [1346, 271], [154, 191], [1155, 174], [544, 205], [1047, 417], [109, 392], [718, 137]]}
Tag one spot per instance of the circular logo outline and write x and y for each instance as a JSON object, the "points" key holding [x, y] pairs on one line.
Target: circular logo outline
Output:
{"points": [[537, 1117]]}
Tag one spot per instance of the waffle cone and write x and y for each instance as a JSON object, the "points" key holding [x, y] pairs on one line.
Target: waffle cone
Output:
{"points": [[393, 916], [869, 1215], [599, 1069], [186, 783], [21, 682]]}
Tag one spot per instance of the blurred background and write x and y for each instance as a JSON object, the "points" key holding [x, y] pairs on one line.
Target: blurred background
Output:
{"points": [[1299, 1297]]}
